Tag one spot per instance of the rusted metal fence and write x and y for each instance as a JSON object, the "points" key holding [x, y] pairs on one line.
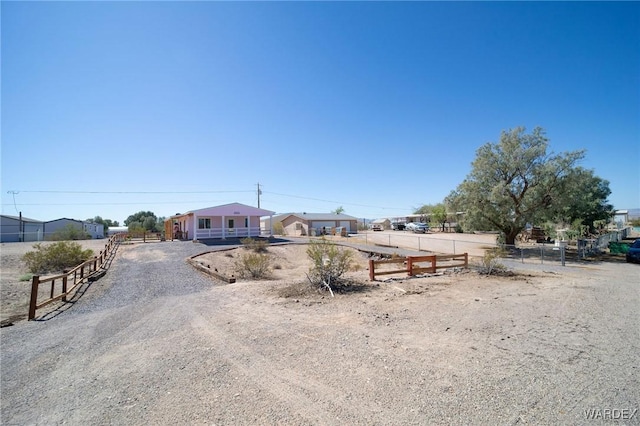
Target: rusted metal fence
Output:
{"points": [[413, 265], [61, 286]]}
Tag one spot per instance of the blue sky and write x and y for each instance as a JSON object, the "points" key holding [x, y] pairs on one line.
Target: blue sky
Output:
{"points": [[109, 108]]}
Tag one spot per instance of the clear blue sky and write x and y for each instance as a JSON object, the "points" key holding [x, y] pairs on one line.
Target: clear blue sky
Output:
{"points": [[378, 107]]}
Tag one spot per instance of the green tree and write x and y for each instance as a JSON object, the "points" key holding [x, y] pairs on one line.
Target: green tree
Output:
{"points": [[160, 224], [339, 210], [106, 223], [512, 183], [147, 220], [583, 197], [136, 227], [439, 215]]}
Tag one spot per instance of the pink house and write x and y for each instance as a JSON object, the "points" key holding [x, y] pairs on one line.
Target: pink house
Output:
{"points": [[233, 220]]}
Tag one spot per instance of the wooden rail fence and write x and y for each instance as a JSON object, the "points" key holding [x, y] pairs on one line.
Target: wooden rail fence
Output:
{"points": [[69, 280], [144, 236], [412, 265]]}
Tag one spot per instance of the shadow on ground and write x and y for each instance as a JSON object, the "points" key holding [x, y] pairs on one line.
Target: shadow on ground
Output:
{"points": [[238, 241]]}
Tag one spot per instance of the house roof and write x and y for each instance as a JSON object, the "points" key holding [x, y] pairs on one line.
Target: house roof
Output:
{"points": [[319, 216], [64, 218], [380, 220], [232, 209], [24, 219]]}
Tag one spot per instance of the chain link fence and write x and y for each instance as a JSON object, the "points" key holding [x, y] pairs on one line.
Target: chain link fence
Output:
{"points": [[476, 245]]}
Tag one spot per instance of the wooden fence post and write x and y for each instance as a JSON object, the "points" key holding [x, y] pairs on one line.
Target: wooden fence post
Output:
{"points": [[433, 264], [64, 287], [372, 270], [34, 296], [409, 265]]}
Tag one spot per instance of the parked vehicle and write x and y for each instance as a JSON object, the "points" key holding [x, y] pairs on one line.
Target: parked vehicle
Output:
{"points": [[376, 227], [419, 227], [633, 254], [398, 226]]}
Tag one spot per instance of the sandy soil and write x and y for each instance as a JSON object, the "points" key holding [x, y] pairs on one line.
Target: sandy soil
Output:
{"points": [[542, 346], [14, 294]]}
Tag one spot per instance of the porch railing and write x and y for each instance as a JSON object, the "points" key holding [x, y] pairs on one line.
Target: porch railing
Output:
{"points": [[253, 231]]}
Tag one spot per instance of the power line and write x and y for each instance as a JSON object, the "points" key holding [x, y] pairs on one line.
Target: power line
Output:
{"points": [[260, 192], [333, 201], [128, 192]]}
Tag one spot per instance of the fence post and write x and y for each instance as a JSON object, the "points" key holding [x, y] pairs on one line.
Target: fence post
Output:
{"points": [[454, 246], [410, 264], [35, 281], [433, 264], [64, 287], [466, 260], [541, 255], [372, 270]]}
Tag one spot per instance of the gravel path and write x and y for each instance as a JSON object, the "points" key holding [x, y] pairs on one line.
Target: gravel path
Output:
{"points": [[156, 342]]}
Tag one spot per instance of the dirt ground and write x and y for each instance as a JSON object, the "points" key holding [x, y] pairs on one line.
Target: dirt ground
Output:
{"points": [[14, 293], [541, 346]]}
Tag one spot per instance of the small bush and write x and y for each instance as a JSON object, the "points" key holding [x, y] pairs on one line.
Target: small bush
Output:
{"points": [[258, 246], [491, 261], [55, 257], [253, 265], [26, 277], [278, 228], [330, 263]]}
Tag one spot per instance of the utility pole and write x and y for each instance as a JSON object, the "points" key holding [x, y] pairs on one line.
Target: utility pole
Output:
{"points": [[259, 193]]}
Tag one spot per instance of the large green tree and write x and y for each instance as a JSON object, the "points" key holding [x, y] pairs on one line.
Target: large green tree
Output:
{"points": [[513, 182], [583, 198], [142, 219]]}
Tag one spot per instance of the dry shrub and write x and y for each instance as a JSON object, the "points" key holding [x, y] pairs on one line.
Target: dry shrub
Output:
{"points": [[256, 245], [490, 263], [253, 265], [330, 263], [55, 257]]}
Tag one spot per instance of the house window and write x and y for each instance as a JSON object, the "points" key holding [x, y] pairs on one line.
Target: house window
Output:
{"points": [[246, 222], [204, 223], [298, 226], [231, 224]]}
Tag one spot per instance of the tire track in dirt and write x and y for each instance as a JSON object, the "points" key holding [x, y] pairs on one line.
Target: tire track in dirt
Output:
{"points": [[313, 400]]}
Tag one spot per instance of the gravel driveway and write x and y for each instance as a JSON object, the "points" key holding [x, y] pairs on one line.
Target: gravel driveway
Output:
{"points": [[156, 342]]}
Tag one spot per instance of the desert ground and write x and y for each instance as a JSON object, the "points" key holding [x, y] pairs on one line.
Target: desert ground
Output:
{"points": [[157, 341]]}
